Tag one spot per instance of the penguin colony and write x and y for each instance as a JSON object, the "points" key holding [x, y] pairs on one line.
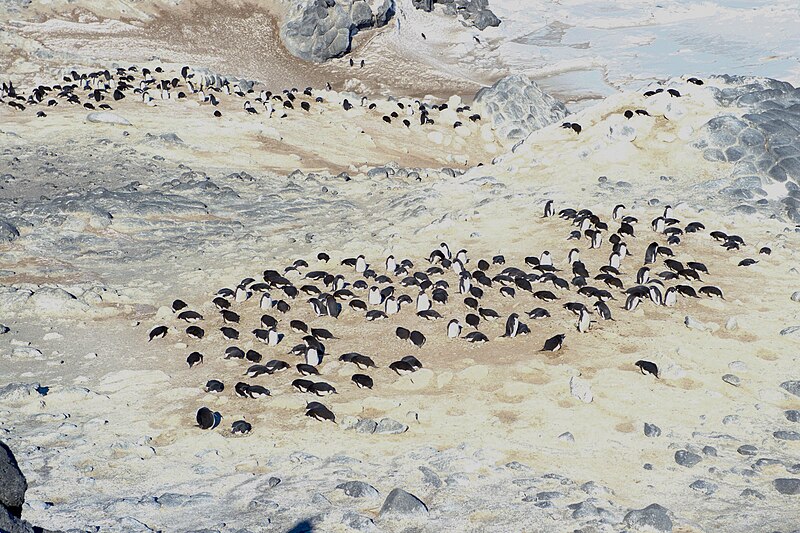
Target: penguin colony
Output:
{"points": [[444, 295], [102, 88]]}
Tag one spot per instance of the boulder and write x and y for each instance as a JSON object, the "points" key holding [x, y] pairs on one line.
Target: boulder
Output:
{"points": [[516, 106], [12, 482], [652, 517], [400, 503]]}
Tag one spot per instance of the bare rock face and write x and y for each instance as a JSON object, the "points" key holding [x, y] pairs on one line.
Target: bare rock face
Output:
{"points": [[760, 143], [318, 30], [472, 12], [516, 106]]}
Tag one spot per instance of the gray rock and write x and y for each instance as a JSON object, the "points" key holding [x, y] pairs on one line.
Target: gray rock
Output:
{"points": [[747, 449], [789, 486], [429, 477], [567, 437], [389, 426], [18, 392], [653, 516], [652, 430], [706, 487], [792, 415], [709, 451], [792, 387], [687, 458], [366, 425], [732, 379], [12, 483], [358, 489], [752, 493], [730, 419], [786, 435], [790, 331], [12, 524], [106, 117], [8, 231], [796, 296], [358, 522], [516, 106], [273, 481], [318, 30], [400, 503]]}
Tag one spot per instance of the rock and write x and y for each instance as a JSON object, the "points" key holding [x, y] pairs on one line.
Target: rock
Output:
{"points": [[786, 435], [12, 483], [358, 489], [318, 30], [706, 487], [792, 387], [653, 516], [790, 486], [366, 425], [752, 493], [687, 458], [8, 231], [516, 106], [579, 388], [358, 522], [796, 296], [792, 415], [429, 477], [27, 352], [400, 503], [732, 379], [693, 323], [792, 331], [18, 392], [4, 329], [652, 430], [273, 481], [747, 449], [738, 366], [388, 426], [106, 117], [566, 437], [709, 451]]}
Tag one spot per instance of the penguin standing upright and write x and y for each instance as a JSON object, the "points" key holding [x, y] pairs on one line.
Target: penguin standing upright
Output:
{"points": [[548, 209], [453, 329], [512, 325]]}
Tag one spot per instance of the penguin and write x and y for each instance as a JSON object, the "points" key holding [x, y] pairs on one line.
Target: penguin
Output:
{"points": [[603, 310], [229, 333], [402, 367], [472, 320], [476, 336], [445, 250], [632, 302], [214, 386], [321, 388], [374, 314], [391, 264], [597, 240], [317, 411], [711, 291], [402, 333], [573, 256], [194, 358], [512, 325], [670, 297], [545, 259], [233, 352], [242, 294], [584, 320], [195, 332], [747, 262], [413, 361], [538, 313], [253, 356], [206, 419], [548, 209], [417, 339], [190, 316], [306, 370], [647, 367], [423, 302], [158, 332], [362, 381], [256, 391], [303, 385], [453, 329], [257, 370], [643, 275], [618, 209], [274, 366], [240, 427], [488, 314], [313, 356], [553, 344], [361, 264], [655, 295]]}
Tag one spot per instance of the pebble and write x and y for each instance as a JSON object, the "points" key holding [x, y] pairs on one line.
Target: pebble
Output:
{"points": [[358, 522], [653, 516], [358, 489], [730, 419], [789, 486], [400, 503], [792, 387], [706, 487], [687, 458], [738, 366], [389, 426], [796, 296], [752, 493], [747, 449], [709, 451], [786, 435], [429, 477], [792, 415], [273, 481], [731, 324], [732, 379], [652, 430], [566, 437], [580, 389], [366, 425]]}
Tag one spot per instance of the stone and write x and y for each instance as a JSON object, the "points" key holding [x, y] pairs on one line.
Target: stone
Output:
{"points": [[747, 449], [8, 231], [709, 451], [732, 379], [400, 503], [19, 392], [752, 493], [796, 296], [429, 477], [738, 366], [705, 487], [566, 437], [687, 458], [652, 430], [358, 522], [786, 435], [106, 117], [653, 516], [366, 425], [580, 389], [12, 482], [515, 106], [693, 323], [789, 486], [358, 489], [792, 415], [389, 426], [792, 387]]}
